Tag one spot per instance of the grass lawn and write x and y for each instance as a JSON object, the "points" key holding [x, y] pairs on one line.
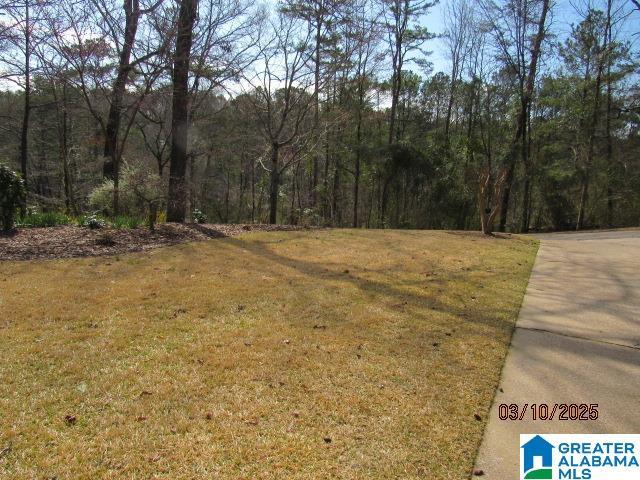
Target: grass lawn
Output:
{"points": [[305, 355]]}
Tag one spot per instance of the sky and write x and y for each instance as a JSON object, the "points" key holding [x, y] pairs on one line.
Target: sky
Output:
{"points": [[564, 14]]}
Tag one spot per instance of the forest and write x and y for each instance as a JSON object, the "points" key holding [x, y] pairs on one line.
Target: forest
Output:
{"points": [[325, 112]]}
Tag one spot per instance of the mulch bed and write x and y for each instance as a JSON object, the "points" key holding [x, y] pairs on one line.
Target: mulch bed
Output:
{"points": [[74, 241]]}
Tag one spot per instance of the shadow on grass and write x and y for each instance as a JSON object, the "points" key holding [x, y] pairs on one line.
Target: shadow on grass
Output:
{"points": [[394, 292]]}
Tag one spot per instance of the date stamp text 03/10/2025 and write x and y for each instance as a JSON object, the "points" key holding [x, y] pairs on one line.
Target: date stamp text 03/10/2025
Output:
{"points": [[548, 411]]}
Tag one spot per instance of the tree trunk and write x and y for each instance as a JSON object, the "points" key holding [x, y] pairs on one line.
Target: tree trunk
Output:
{"points": [[63, 136], [111, 166], [584, 194], [356, 171], [452, 87], [316, 111], [253, 190], [335, 201], [395, 95], [526, 203], [526, 161], [522, 114], [396, 83], [593, 124], [177, 201], [609, 152], [24, 136], [275, 185]]}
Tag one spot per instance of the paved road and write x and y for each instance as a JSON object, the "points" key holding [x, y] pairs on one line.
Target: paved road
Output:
{"points": [[577, 340]]}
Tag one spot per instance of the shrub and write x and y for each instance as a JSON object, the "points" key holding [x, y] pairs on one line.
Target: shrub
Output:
{"points": [[101, 197], [309, 217], [93, 222], [12, 195], [45, 219], [140, 194], [123, 221], [199, 217]]}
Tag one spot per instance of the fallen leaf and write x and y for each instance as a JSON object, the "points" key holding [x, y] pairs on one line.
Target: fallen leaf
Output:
{"points": [[5, 451], [178, 311]]}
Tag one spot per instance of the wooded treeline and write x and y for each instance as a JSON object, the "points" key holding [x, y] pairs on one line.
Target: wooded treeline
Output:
{"points": [[326, 112]]}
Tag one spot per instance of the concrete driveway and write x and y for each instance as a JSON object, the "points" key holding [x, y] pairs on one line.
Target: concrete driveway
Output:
{"points": [[577, 341]]}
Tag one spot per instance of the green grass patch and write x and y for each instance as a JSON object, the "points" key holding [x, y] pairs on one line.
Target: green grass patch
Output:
{"points": [[125, 222], [300, 355], [45, 219]]}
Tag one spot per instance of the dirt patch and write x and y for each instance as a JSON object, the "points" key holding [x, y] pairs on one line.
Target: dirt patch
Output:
{"points": [[74, 241]]}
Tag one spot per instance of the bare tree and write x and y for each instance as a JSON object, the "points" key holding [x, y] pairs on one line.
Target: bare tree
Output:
{"points": [[518, 39], [405, 37], [85, 35], [17, 34], [366, 57], [321, 17], [222, 46], [132, 12], [489, 198], [458, 25], [279, 99]]}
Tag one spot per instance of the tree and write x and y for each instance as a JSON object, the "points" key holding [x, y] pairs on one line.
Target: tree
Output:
{"points": [[589, 55], [176, 203], [327, 113], [366, 58], [519, 42], [405, 36], [321, 17], [279, 99], [489, 200], [87, 35], [18, 32], [457, 36], [132, 13]]}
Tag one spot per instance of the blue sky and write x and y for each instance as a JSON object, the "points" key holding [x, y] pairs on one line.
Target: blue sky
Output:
{"points": [[563, 16]]}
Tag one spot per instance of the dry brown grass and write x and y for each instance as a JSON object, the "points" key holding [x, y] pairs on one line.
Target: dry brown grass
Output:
{"points": [[306, 355]]}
